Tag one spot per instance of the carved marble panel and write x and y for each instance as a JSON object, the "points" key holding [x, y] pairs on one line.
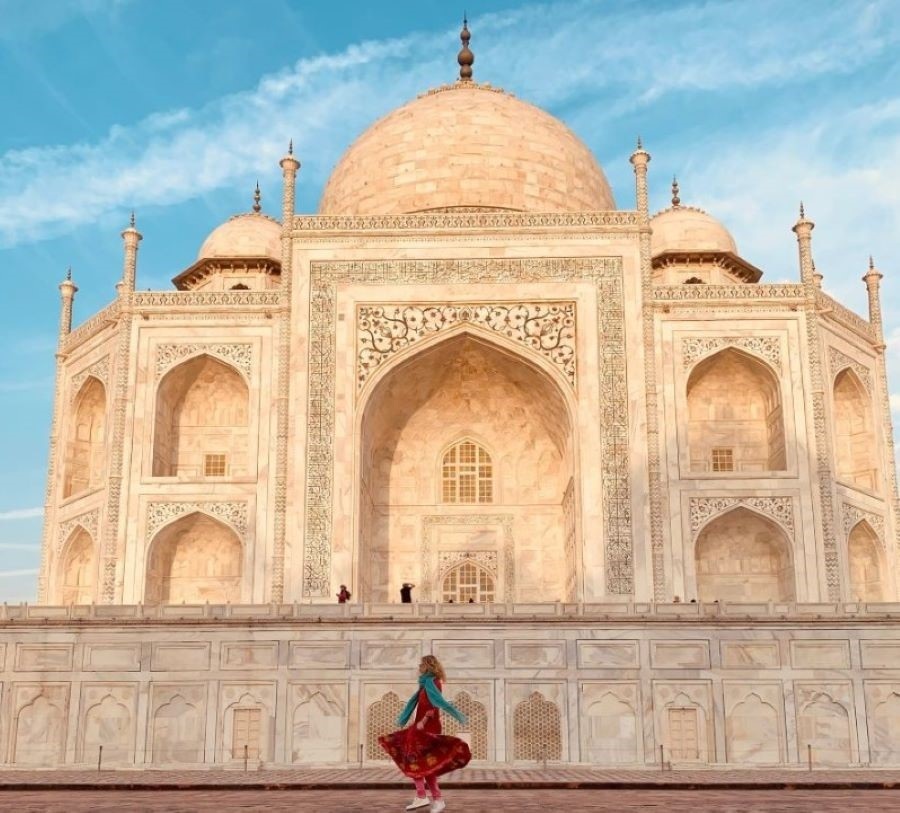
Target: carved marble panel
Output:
{"points": [[547, 328], [703, 509], [99, 370], [694, 348], [883, 712], [39, 723], [880, 654], [89, 520], [750, 654], [535, 654], [180, 657], [162, 513], [754, 722], [819, 654], [44, 657], [177, 728], [319, 654], [608, 654], [838, 361], [610, 715], [249, 654], [101, 657], [239, 355], [108, 720], [390, 654], [465, 654], [851, 515], [679, 654], [318, 722]]}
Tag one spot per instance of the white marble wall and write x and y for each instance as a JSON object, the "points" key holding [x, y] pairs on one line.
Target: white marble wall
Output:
{"points": [[589, 684]]}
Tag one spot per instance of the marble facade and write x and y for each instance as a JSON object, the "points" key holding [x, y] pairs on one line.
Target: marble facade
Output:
{"points": [[469, 371]]}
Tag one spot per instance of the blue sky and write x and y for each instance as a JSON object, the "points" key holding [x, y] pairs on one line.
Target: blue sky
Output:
{"points": [[175, 109]]}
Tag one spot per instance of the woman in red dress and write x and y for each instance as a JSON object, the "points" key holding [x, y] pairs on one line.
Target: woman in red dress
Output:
{"points": [[421, 751]]}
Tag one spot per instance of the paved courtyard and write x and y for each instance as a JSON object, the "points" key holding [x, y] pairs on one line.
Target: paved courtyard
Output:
{"points": [[464, 801]]}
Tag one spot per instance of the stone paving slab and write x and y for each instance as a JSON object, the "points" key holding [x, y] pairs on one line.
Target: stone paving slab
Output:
{"points": [[655, 800], [473, 778]]}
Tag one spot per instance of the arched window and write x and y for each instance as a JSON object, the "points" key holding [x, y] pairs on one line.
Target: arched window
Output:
{"points": [[466, 582], [855, 444], [85, 451], [866, 569], [735, 417], [467, 474]]}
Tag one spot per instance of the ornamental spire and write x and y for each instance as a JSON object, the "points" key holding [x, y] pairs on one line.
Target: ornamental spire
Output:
{"points": [[257, 196], [676, 201], [465, 57]]}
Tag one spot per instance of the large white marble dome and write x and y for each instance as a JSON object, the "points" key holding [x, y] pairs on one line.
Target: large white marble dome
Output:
{"points": [[466, 146]]}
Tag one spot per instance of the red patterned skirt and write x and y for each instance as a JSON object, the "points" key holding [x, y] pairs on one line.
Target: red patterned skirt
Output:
{"points": [[419, 754]]}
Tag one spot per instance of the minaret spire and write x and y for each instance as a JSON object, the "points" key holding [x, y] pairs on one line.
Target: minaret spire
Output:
{"points": [[803, 229], [676, 201], [257, 196], [872, 279], [465, 57], [130, 238], [67, 291]]}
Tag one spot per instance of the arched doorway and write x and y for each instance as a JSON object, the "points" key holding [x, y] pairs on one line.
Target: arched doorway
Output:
{"points": [[194, 560], [85, 451], [866, 564], [475, 442], [77, 569], [855, 444], [735, 415], [742, 556], [202, 414]]}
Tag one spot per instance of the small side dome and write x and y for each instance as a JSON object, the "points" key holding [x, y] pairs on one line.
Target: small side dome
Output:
{"points": [[686, 228], [252, 234]]}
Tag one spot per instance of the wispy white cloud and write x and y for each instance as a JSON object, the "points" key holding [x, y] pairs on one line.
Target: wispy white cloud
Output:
{"points": [[22, 20], [21, 513], [589, 51], [8, 574]]}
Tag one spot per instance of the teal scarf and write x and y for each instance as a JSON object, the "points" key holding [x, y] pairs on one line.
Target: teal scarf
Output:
{"points": [[436, 698]]}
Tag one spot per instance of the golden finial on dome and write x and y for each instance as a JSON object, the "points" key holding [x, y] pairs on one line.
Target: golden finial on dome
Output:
{"points": [[676, 201], [256, 198], [465, 57]]}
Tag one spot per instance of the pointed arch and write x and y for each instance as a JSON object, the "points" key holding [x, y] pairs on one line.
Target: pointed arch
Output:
{"points": [[194, 559], [743, 556], [537, 729], [868, 569], [85, 461], [856, 447], [201, 423], [464, 386], [317, 729], [468, 582], [77, 569], [611, 731], [178, 729], [752, 732], [467, 473], [108, 723], [735, 419]]}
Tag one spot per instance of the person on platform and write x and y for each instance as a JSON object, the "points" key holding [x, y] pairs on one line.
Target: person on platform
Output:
{"points": [[344, 596], [421, 751], [406, 593]]}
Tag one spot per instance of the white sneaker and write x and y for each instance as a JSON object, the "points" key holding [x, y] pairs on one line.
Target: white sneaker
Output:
{"points": [[419, 803], [437, 806]]}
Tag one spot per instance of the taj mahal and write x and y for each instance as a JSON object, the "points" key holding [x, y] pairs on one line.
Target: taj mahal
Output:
{"points": [[647, 499]]}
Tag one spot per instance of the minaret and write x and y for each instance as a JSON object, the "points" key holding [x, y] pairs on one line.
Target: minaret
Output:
{"points": [[67, 291], [131, 237], [465, 57], [640, 158], [803, 229], [289, 166], [872, 278], [817, 277]]}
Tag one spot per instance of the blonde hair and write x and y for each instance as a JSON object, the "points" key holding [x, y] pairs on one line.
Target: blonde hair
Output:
{"points": [[433, 667]]}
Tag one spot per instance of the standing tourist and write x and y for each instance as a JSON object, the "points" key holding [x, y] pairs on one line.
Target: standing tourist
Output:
{"points": [[344, 596], [406, 593], [421, 751]]}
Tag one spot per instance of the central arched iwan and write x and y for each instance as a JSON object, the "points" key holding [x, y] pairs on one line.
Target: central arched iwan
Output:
{"points": [[466, 391]]}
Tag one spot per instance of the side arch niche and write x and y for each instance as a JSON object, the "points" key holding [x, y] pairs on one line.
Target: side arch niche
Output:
{"points": [[825, 725], [381, 718], [865, 558], [856, 448], [475, 730], [611, 732], [109, 724], [201, 423], [752, 732], [466, 428], [537, 730], [85, 461], [735, 418], [77, 572], [745, 557], [194, 560]]}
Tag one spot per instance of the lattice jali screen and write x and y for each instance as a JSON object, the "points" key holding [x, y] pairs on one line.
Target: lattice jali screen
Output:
{"points": [[537, 732], [381, 719], [475, 726]]}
